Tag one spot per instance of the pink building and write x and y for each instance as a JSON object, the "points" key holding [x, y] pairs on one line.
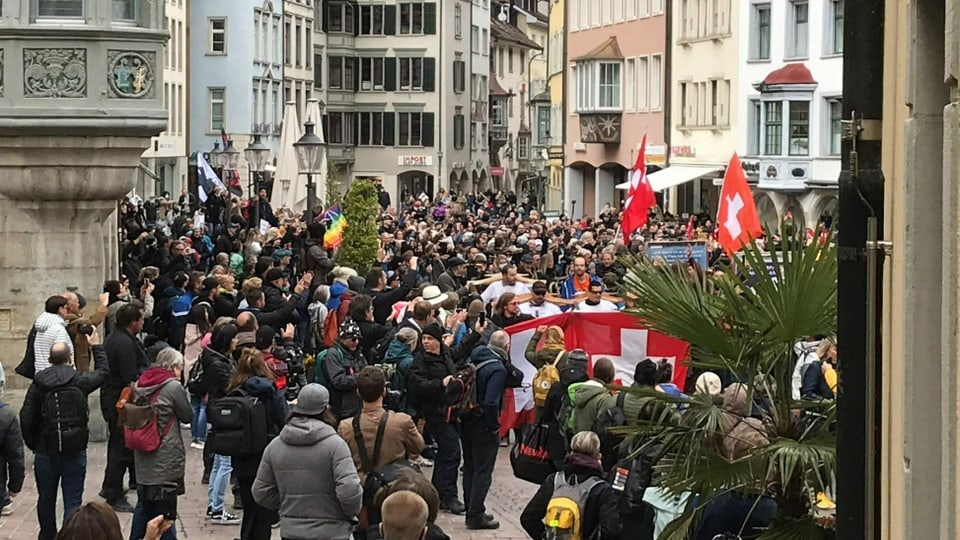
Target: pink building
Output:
{"points": [[615, 95]]}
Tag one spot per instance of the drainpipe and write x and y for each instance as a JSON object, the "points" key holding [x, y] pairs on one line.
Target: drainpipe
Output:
{"points": [[861, 255], [667, 86]]}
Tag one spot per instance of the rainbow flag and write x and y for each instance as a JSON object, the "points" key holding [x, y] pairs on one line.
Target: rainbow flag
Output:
{"points": [[336, 223]]}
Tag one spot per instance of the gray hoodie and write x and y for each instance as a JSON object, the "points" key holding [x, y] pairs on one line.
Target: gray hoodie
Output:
{"points": [[307, 472], [166, 465]]}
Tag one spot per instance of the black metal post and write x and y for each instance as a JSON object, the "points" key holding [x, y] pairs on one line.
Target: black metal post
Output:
{"points": [[311, 198], [860, 270]]}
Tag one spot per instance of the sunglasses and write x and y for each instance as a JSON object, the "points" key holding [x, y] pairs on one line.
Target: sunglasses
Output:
{"points": [[540, 293]]}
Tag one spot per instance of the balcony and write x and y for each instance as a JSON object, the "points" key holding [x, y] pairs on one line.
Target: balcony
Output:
{"points": [[601, 127]]}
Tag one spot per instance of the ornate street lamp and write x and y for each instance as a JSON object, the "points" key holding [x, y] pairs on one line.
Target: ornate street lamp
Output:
{"points": [[257, 154], [214, 156], [229, 161], [310, 156]]}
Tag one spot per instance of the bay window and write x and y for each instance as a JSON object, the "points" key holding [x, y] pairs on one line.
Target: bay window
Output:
{"points": [[780, 127], [799, 128], [598, 86]]}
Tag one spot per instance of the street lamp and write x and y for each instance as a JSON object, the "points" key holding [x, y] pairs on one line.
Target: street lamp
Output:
{"points": [[229, 161], [214, 156], [256, 154], [538, 164], [310, 157]]}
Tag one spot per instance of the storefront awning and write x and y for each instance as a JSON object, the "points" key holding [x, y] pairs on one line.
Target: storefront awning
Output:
{"points": [[674, 176]]}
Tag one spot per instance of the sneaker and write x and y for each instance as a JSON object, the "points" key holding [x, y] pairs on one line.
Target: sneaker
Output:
{"points": [[275, 524], [483, 523], [423, 462], [122, 505], [224, 518], [453, 507], [209, 512], [7, 510], [197, 445]]}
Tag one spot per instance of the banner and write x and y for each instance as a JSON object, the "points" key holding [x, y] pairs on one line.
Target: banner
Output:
{"points": [[678, 251], [612, 335]]}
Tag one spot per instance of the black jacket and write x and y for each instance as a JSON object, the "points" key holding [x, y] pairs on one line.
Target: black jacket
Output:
{"points": [[451, 283], [504, 322], [55, 377], [217, 370], [11, 450], [425, 383], [127, 360], [601, 510], [371, 333], [317, 261], [340, 370], [273, 298], [383, 301]]}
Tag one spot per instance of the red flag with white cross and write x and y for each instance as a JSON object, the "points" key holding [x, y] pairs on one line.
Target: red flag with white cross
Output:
{"points": [[737, 220]]}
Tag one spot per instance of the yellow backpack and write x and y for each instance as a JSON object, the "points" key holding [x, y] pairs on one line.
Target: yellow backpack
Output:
{"points": [[546, 376], [564, 518]]}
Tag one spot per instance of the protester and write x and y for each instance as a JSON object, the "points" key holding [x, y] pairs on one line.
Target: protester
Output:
{"points": [[404, 516], [339, 368], [97, 521], [595, 303], [592, 397], [79, 327], [218, 366], [51, 327], [507, 311], [538, 306], [11, 456]]}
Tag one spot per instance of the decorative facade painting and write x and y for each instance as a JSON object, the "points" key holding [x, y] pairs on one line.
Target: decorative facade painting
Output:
{"points": [[55, 73], [131, 74]]}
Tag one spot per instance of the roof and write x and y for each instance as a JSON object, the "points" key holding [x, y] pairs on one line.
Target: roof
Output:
{"points": [[608, 50], [507, 33], [496, 89], [542, 97], [790, 74]]}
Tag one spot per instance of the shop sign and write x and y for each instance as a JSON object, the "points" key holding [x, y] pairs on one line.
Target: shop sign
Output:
{"points": [[415, 161], [683, 151], [496, 171]]}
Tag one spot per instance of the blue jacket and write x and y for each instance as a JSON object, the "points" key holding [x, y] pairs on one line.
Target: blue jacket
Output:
{"points": [[401, 355], [491, 383], [568, 289]]}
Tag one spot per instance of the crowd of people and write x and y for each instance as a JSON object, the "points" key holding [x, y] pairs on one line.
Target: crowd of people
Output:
{"points": [[324, 394]]}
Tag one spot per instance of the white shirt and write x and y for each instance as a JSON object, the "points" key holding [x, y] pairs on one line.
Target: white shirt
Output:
{"points": [[545, 310], [604, 305], [496, 289]]}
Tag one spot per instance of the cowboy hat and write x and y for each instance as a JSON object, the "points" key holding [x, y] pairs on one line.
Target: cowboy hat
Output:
{"points": [[432, 294]]}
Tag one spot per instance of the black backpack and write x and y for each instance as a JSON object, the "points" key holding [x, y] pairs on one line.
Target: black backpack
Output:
{"points": [[64, 416], [379, 350], [238, 425], [632, 476], [609, 442], [28, 366], [378, 478]]}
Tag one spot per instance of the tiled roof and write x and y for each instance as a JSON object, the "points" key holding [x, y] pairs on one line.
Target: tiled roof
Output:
{"points": [[608, 50], [501, 31], [790, 74], [496, 89]]}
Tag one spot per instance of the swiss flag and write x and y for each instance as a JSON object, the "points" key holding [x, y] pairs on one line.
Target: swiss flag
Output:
{"points": [[691, 232], [640, 198], [737, 219], [612, 335]]}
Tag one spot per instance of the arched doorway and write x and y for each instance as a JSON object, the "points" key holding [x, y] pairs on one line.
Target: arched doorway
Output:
{"points": [[828, 211], [793, 209], [453, 182], [767, 211], [414, 183], [464, 184], [484, 181]]}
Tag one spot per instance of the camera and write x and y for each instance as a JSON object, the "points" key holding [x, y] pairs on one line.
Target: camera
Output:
{"points": [[392, 400], [85, 329], [296, 374]]}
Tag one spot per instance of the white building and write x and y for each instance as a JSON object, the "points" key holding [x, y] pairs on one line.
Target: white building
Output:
{"points": [[298, 57], [479, 93], [790, 91], [165, 161]]}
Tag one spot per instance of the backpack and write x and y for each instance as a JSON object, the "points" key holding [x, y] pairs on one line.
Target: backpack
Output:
{"points": [[610, 418], [631, 476], [564, 517], [319, 372], [141, 430], [64, 416], [28, 366], [238, 425], [546, 376], [462, 391], [331, 329], [379, 350], [377, 478], [195, 382]]}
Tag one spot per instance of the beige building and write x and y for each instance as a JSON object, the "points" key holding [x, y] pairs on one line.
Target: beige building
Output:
{"points": [[556, 63]]}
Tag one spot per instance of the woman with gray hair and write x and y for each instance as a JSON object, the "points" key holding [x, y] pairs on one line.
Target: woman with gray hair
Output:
{"points": [[160, 473]]}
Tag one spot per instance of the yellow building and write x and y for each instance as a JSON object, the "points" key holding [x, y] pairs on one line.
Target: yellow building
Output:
{"points": [[556, 60]]}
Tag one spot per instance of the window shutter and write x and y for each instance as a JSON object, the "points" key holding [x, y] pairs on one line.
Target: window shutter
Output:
{"points": [[318, 71], [325, 126], [426, 127], [389, 128], [390, 20], [723, 102], [389, 74], [429, 74], [356, 72], [429, 18], [325, 12], [356, 17]]}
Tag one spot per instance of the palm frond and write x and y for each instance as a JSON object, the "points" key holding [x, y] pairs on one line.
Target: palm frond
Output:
{"points": [[796, 529]]}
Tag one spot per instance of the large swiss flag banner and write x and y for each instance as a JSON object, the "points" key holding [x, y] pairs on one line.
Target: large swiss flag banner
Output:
{"points": [[612, 335]]}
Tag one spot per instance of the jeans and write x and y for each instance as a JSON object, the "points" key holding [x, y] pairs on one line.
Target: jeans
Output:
{"points": [[447, 462], [256, 519], [480, 447], [198, 426], [219, 478], [119, 460], [52, 471], [144, 512]]}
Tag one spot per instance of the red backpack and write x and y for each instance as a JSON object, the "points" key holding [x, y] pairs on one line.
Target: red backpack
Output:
{"points": [[461, 393], [141, 430]]}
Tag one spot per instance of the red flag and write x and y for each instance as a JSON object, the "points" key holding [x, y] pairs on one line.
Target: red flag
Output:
{"points": [[640, 198], [612, 335], [691, 232], [737, 219], [223, 137]]}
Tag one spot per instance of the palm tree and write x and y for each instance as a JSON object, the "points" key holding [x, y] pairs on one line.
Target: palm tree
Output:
{"points": [[744, 324]]}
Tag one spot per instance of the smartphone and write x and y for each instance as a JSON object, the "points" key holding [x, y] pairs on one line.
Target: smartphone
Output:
{"points": [[168, 506], [483, 318]]}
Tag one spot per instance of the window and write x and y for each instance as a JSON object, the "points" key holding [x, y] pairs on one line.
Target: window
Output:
{"points": [[523, 147], [755, 119], [340, 18], [510, 59], [474, 39], [371, 20], [500, 63], [308, 50], [298, 44], [216, 36], [370, 129], [340, 126], [799, 128], [411, 129], [458, 131], [684, 105], [457, 22], [459, 76], [799, 29], [411, 18], [836, 126], [411, 74], [836, 30], [341, 73], [643, 83], [123, 10], [287, 56], [371, 74], [483, 41], [657, 8], [656, 82], [543, 124], [629, 88], [761, 31], [498, 112], [608, 85], [59, 8], [714, 103], [215, 96], [773, 128], [318, 70]]}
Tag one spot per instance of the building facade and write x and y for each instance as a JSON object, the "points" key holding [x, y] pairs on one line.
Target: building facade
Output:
{"points": [[396, 99], [165, 162], [556, 64], [615, 95], [510, 136], [298, 69], [535, 117], [704, 74], [791, 93]]}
